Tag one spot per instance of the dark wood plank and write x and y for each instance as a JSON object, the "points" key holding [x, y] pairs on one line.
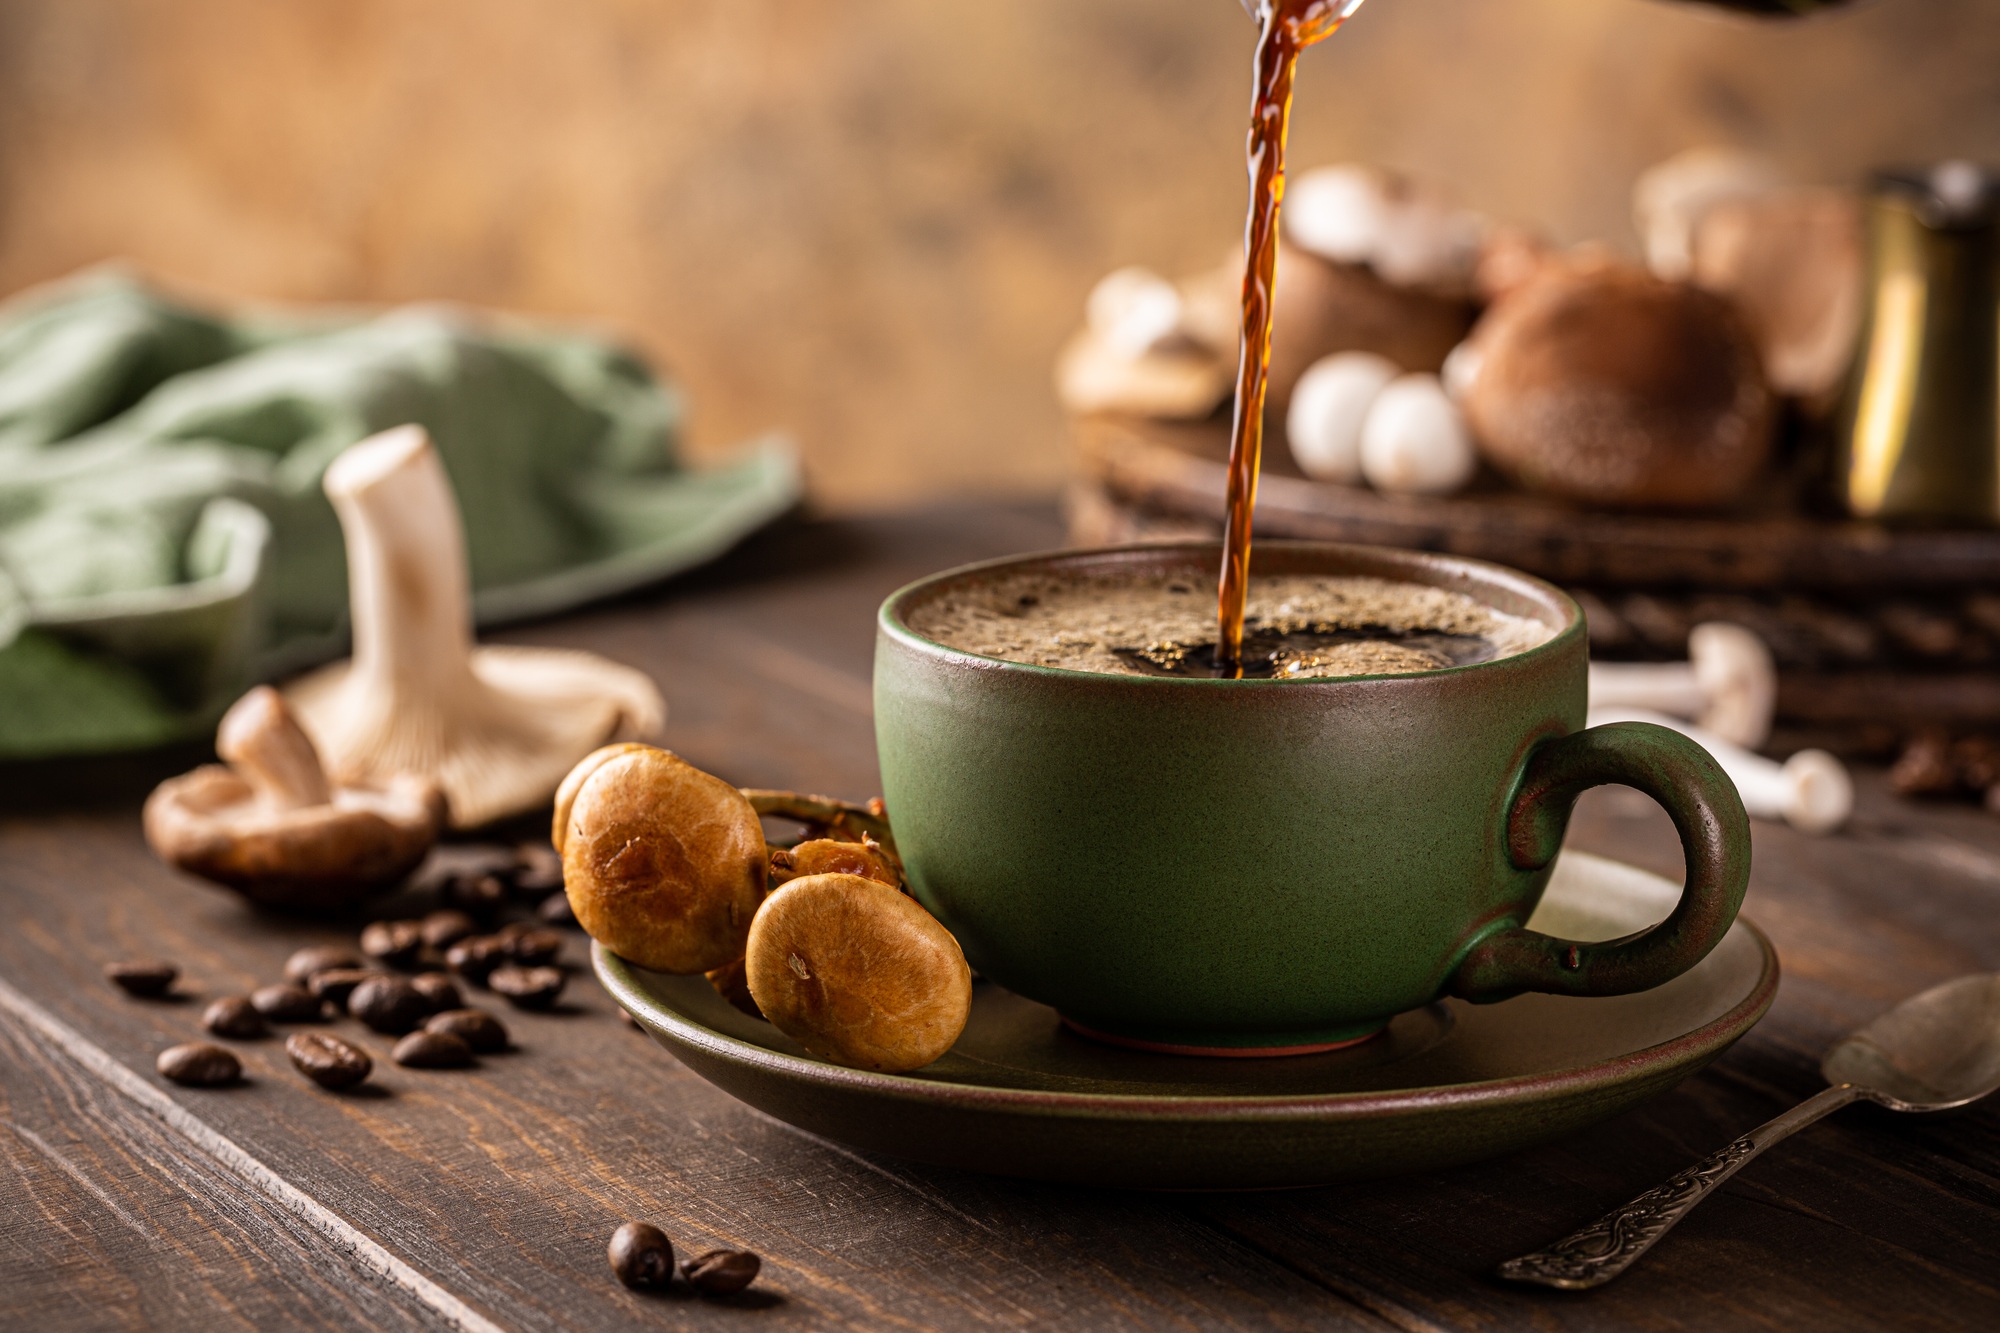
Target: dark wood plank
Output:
{"points": [[501, 1184], [112, 1219]]}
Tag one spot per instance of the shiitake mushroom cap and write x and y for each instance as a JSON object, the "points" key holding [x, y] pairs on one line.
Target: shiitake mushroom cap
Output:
{"points": [[664, 864], [857, 973]]}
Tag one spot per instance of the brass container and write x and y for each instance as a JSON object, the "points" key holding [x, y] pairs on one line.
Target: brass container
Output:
{"points": [[1919, 429]]}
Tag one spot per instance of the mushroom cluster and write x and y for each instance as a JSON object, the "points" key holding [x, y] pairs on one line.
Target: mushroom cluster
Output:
{"points": [[667, 867], [270, 823]]}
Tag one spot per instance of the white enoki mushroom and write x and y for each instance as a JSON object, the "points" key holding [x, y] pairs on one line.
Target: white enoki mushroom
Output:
{"points": [[496, 728], [1811, 791], [1329, 405], [1414, 441], [1729, 685]]}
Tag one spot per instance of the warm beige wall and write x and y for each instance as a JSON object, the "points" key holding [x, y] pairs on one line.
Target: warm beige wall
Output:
{"points": [[871, 221]]}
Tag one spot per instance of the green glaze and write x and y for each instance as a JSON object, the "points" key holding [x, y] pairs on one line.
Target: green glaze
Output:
{"points": [[1270, 865]]}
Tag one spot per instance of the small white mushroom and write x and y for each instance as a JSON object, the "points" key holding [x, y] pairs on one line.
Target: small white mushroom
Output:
{"points": [[1728, 685], [1133, 311], [1410, 235], [495, 728], [1811, 791], [1414, 441], [1670, 198], [1329, 405]]}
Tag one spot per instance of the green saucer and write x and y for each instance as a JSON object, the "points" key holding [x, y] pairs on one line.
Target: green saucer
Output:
{"points": [[1022, 1095]]}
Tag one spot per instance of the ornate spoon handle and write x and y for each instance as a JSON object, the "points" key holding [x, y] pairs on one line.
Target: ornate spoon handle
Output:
{"points": [[1607, 1247]]}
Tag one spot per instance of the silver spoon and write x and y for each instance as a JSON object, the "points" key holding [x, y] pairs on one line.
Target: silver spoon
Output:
{"points": [[1932, 1052]]}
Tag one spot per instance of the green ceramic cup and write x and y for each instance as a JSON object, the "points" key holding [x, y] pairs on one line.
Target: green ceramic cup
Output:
{"points": [[1263, 867]]}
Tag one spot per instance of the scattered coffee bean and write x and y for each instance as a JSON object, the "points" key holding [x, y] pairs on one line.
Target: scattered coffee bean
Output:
{"points": [[481, 896], [445, 928], [556, 911], [432, 1050], [439, 989], [389, 1004], [475, 957], [336, 984], [288, 1004], [478, 1029], [199, 1064], [301, 965], [722, 1272], [529, 987], [534, 948], [393, 943], [327, 1060], [234, 1017], [641, 1256], [537, 868], [148, 977]]}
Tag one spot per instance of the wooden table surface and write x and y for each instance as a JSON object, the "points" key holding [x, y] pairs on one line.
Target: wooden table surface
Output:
{"points": [[484, 1199]]}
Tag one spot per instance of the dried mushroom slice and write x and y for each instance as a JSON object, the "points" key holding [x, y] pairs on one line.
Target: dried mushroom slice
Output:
{"points": [[858, 974], [664, 864]]}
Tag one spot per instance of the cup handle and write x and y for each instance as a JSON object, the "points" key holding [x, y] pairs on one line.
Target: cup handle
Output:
{"points": [[1715, 838]]}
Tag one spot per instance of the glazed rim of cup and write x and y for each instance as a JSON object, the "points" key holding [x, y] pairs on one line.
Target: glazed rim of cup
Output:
{"points": [[1495, 586]]}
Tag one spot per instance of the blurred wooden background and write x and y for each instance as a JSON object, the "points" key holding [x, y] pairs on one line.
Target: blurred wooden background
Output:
{"points": [[870, 222]]}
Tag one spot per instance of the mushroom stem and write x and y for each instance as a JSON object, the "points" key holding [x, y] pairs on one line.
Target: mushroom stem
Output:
{"points": [[259, 738], [409, 588], [1728, 685], [1811, 791], [827, 810]]}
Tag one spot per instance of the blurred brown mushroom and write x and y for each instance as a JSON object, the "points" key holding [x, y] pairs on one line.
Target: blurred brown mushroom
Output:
{"points": [[1791, 262], [269, 824], [1598, 382]]}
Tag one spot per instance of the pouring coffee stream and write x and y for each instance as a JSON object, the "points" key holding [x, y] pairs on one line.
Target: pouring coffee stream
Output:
{"points": [[1285, 29]]}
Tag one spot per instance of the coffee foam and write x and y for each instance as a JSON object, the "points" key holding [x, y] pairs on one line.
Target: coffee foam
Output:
{"points": [[1082, 622]]}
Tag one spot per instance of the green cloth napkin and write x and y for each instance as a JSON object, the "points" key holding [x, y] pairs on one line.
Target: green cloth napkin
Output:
{"points": [[163, 538]]}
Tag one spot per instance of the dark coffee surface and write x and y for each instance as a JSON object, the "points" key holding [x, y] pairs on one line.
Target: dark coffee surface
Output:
{"points": [[1296, 626]]}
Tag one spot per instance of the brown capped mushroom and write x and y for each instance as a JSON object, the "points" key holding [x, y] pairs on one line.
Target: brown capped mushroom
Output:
{"points": [[495, 728], [1599, 382], [664, 865], [271, 826], [858, 974]]}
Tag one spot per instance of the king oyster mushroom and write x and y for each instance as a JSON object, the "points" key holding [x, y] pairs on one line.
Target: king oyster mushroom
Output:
{"points": [[271, 826], [496, 727]]}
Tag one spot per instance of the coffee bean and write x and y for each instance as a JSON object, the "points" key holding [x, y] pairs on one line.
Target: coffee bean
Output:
{"points": [[642, 1256], [327, 1060], [234, 1016], [301, 965], [288, 1004], [556, 911], [432, 1050], [199, 1064], [439, 989], [529, 987], [480, 896], [336, 984], [533, 948], [148, 977], [537, 868], [475, 1027], [445, 928], [475, 957], [393, 943], [389, 1004], [722, 1272]]}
